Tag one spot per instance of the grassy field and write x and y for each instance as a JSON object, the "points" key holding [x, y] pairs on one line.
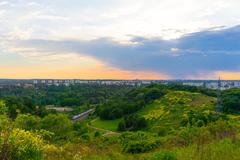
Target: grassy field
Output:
{"points": [[111, 125]]}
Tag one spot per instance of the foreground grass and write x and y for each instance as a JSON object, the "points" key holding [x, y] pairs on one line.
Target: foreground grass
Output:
{"points": [[225, 149], [220, 150]]}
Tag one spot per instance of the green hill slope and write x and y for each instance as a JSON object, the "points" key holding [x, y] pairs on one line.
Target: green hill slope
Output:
{"points": [[167, 111], [173, 109]]}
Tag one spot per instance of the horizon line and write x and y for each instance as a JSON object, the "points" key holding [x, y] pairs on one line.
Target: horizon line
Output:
{"points": [[104, 79]]}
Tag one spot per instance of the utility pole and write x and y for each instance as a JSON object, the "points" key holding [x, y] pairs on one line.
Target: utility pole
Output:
{"points": [[219, 100]]}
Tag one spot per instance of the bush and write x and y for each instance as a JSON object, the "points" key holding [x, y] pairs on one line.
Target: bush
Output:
{"points": [[80, 128], [138, 142], [222, 129], [199, 119], [25, 145]]}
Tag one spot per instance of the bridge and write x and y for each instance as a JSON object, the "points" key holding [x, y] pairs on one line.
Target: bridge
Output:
{"points": [[82, 115]]}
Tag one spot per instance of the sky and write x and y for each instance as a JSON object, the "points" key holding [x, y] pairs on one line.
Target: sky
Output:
{"points": [[120, 39]]}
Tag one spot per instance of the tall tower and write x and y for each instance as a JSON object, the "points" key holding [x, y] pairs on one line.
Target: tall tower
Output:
{"points": [[219, 100]]}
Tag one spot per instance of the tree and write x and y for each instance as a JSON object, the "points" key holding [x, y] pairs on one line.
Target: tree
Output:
{"points": [[132, 122], [153, 93], [110, 111], [27, 122], [15, 105], [5, 123], [59, 124], [231, 100], [3, 107], [80, 128]]}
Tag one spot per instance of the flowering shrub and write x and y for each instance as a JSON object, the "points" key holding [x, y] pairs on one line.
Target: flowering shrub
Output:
{"points": [[25, 145]]}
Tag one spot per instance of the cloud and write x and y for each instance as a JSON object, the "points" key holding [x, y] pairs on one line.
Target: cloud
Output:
{"points": [[4, 3], [39, 15], [197, 53]]}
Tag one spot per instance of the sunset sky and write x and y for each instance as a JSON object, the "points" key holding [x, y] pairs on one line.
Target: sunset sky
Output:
{"points": [[120, 39]]}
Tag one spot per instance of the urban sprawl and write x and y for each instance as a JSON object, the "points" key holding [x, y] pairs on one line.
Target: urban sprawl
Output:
{"points": [[212, 84]]}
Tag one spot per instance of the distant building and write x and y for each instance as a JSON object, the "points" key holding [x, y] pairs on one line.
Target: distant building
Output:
{"points": [[28, 86], [197, 84]]}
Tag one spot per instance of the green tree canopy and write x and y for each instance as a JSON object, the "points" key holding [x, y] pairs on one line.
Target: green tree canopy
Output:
{"points": [[27, 122], [59, 124]]}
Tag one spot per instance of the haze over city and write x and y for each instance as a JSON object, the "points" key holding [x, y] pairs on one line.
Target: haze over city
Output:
{"points": [[120, 39]]}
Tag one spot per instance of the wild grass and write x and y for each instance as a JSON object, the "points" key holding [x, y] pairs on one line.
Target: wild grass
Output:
{"points": [[221, 150]]}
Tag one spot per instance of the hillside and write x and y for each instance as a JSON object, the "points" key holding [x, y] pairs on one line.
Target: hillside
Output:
{"points": [[172, 110], [167, 111], [179, 126]]}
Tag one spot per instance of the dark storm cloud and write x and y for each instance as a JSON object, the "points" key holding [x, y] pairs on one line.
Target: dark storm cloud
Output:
{"points": [[206, 51]]}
